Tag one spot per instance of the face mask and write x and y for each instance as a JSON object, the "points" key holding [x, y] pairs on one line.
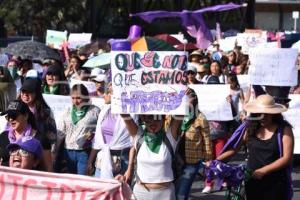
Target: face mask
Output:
{"points": [[13, 72]]}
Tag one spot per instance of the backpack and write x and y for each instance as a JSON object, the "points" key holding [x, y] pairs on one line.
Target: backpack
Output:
{"points": [[178, 160]]}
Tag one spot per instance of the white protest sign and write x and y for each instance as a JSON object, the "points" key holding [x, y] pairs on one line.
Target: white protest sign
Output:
{"points": [[59, 104], [251, 40], [36, 185], [149, 82], [90, 86], [273, 67], [77, 40], [295, 14], [55, 39], [292, 116], [244, 82], [228, 43], [212, 101]]}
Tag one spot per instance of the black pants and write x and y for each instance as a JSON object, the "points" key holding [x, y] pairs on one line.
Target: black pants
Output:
{"points": [[267, 189]]}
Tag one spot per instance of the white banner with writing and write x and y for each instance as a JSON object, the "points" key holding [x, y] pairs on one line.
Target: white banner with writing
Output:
{"points": [[35, 185], [59, 103], [149, 82], [292, 116], [212, 101], [273, 67], [77, 40]]}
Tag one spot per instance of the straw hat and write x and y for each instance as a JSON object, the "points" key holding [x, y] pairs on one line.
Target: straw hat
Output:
{"points": [[265, 104]]}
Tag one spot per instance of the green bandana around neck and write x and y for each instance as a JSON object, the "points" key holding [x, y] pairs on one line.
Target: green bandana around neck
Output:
{"points": [[154, 141], [187, 121], [78, 114], [54, 90]]}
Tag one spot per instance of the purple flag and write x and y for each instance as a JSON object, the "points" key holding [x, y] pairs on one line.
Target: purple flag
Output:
{"points": [[190, 19]]}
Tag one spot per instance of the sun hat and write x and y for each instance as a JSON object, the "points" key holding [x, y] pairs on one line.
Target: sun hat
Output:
{"points": [[265, 104], [100, 78], [29, 144], [15, 107], [196, 53], [96, 71]]}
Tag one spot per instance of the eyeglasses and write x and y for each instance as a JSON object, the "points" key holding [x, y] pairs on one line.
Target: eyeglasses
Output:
{"points": [[12, 116], [21, 152]]}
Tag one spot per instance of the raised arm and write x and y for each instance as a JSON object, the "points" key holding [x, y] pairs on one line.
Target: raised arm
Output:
{"points": [[130, 124]]}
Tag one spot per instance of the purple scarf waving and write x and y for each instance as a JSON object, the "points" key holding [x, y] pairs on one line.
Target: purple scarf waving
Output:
{"points": [[191, 20]]}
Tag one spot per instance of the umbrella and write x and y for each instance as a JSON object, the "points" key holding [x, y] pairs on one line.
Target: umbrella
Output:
{"points": [[31, 50], [102, 61], [188, 46], [168, 38], [151, 44], [94, 47]]}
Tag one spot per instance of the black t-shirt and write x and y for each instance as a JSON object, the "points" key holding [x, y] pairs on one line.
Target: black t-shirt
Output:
{"points": [[4, 141]]}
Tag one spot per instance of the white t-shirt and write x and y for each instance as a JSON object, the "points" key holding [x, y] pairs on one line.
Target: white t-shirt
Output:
{"points": [[155, 167]]}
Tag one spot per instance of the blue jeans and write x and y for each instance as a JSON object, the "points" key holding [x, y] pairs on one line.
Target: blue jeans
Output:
{"points": [[76, 161], [185, 181], [124, 156]]}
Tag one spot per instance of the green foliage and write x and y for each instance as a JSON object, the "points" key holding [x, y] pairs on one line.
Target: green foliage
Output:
{"points": [[34, 17]]}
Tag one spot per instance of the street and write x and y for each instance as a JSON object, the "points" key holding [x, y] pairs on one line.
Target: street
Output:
{"points": [[199, 184]]}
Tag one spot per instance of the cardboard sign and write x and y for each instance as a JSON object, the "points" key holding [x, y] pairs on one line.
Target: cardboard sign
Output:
{"points": [[36, 185], [149, 82], [77, 40], [251, 40], [273, 67], [59, 103], [292, 116], [55, 39], [212, 101]]}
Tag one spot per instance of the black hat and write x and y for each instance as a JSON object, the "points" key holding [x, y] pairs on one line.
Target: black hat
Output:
{"points": [[55, 70], [280, 94], [213, 80], [31, 86], [16, 106]]}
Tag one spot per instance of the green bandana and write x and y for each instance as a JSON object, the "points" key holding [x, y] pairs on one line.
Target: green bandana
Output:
{"points": [[187, 121], [53, 90], [77, 115], [154, 141]]}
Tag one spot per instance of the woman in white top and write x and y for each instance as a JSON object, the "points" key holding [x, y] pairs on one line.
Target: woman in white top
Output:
{"points": [[154, 160], [215, 70]]}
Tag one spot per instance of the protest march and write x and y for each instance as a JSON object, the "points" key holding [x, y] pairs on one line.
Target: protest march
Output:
{"points": [[144, 118]]}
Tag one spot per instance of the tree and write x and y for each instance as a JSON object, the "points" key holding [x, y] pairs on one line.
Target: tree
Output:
{"points": [[34, 17]]}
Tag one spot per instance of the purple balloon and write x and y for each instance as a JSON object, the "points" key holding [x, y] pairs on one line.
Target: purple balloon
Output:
{"points": [[134, 32]]}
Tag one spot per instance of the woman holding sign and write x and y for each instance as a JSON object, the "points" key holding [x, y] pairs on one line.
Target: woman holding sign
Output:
{"points": [[270, 142], [154, 159]]}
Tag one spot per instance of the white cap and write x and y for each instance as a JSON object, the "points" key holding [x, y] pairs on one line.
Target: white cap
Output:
{"points": [[100, 78], [97, 71], [192, 67], [32, 74]]}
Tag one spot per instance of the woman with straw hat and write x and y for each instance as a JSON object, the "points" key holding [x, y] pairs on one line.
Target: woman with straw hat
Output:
{"points": [[270, 141]]}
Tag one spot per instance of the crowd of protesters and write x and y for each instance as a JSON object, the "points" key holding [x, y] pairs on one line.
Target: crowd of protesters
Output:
{"points": [[92, 141]]}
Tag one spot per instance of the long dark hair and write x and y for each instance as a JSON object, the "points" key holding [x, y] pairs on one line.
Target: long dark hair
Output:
{"points": [[276, 119], [233, 78]]}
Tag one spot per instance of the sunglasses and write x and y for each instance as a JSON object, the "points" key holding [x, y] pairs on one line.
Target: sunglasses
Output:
{"points": [[12, 116], [52, 74], [256, 116], [21, 152], [191, 72]]}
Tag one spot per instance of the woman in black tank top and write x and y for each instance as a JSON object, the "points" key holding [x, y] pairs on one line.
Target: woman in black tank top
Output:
{"points": [[270, 143]]}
